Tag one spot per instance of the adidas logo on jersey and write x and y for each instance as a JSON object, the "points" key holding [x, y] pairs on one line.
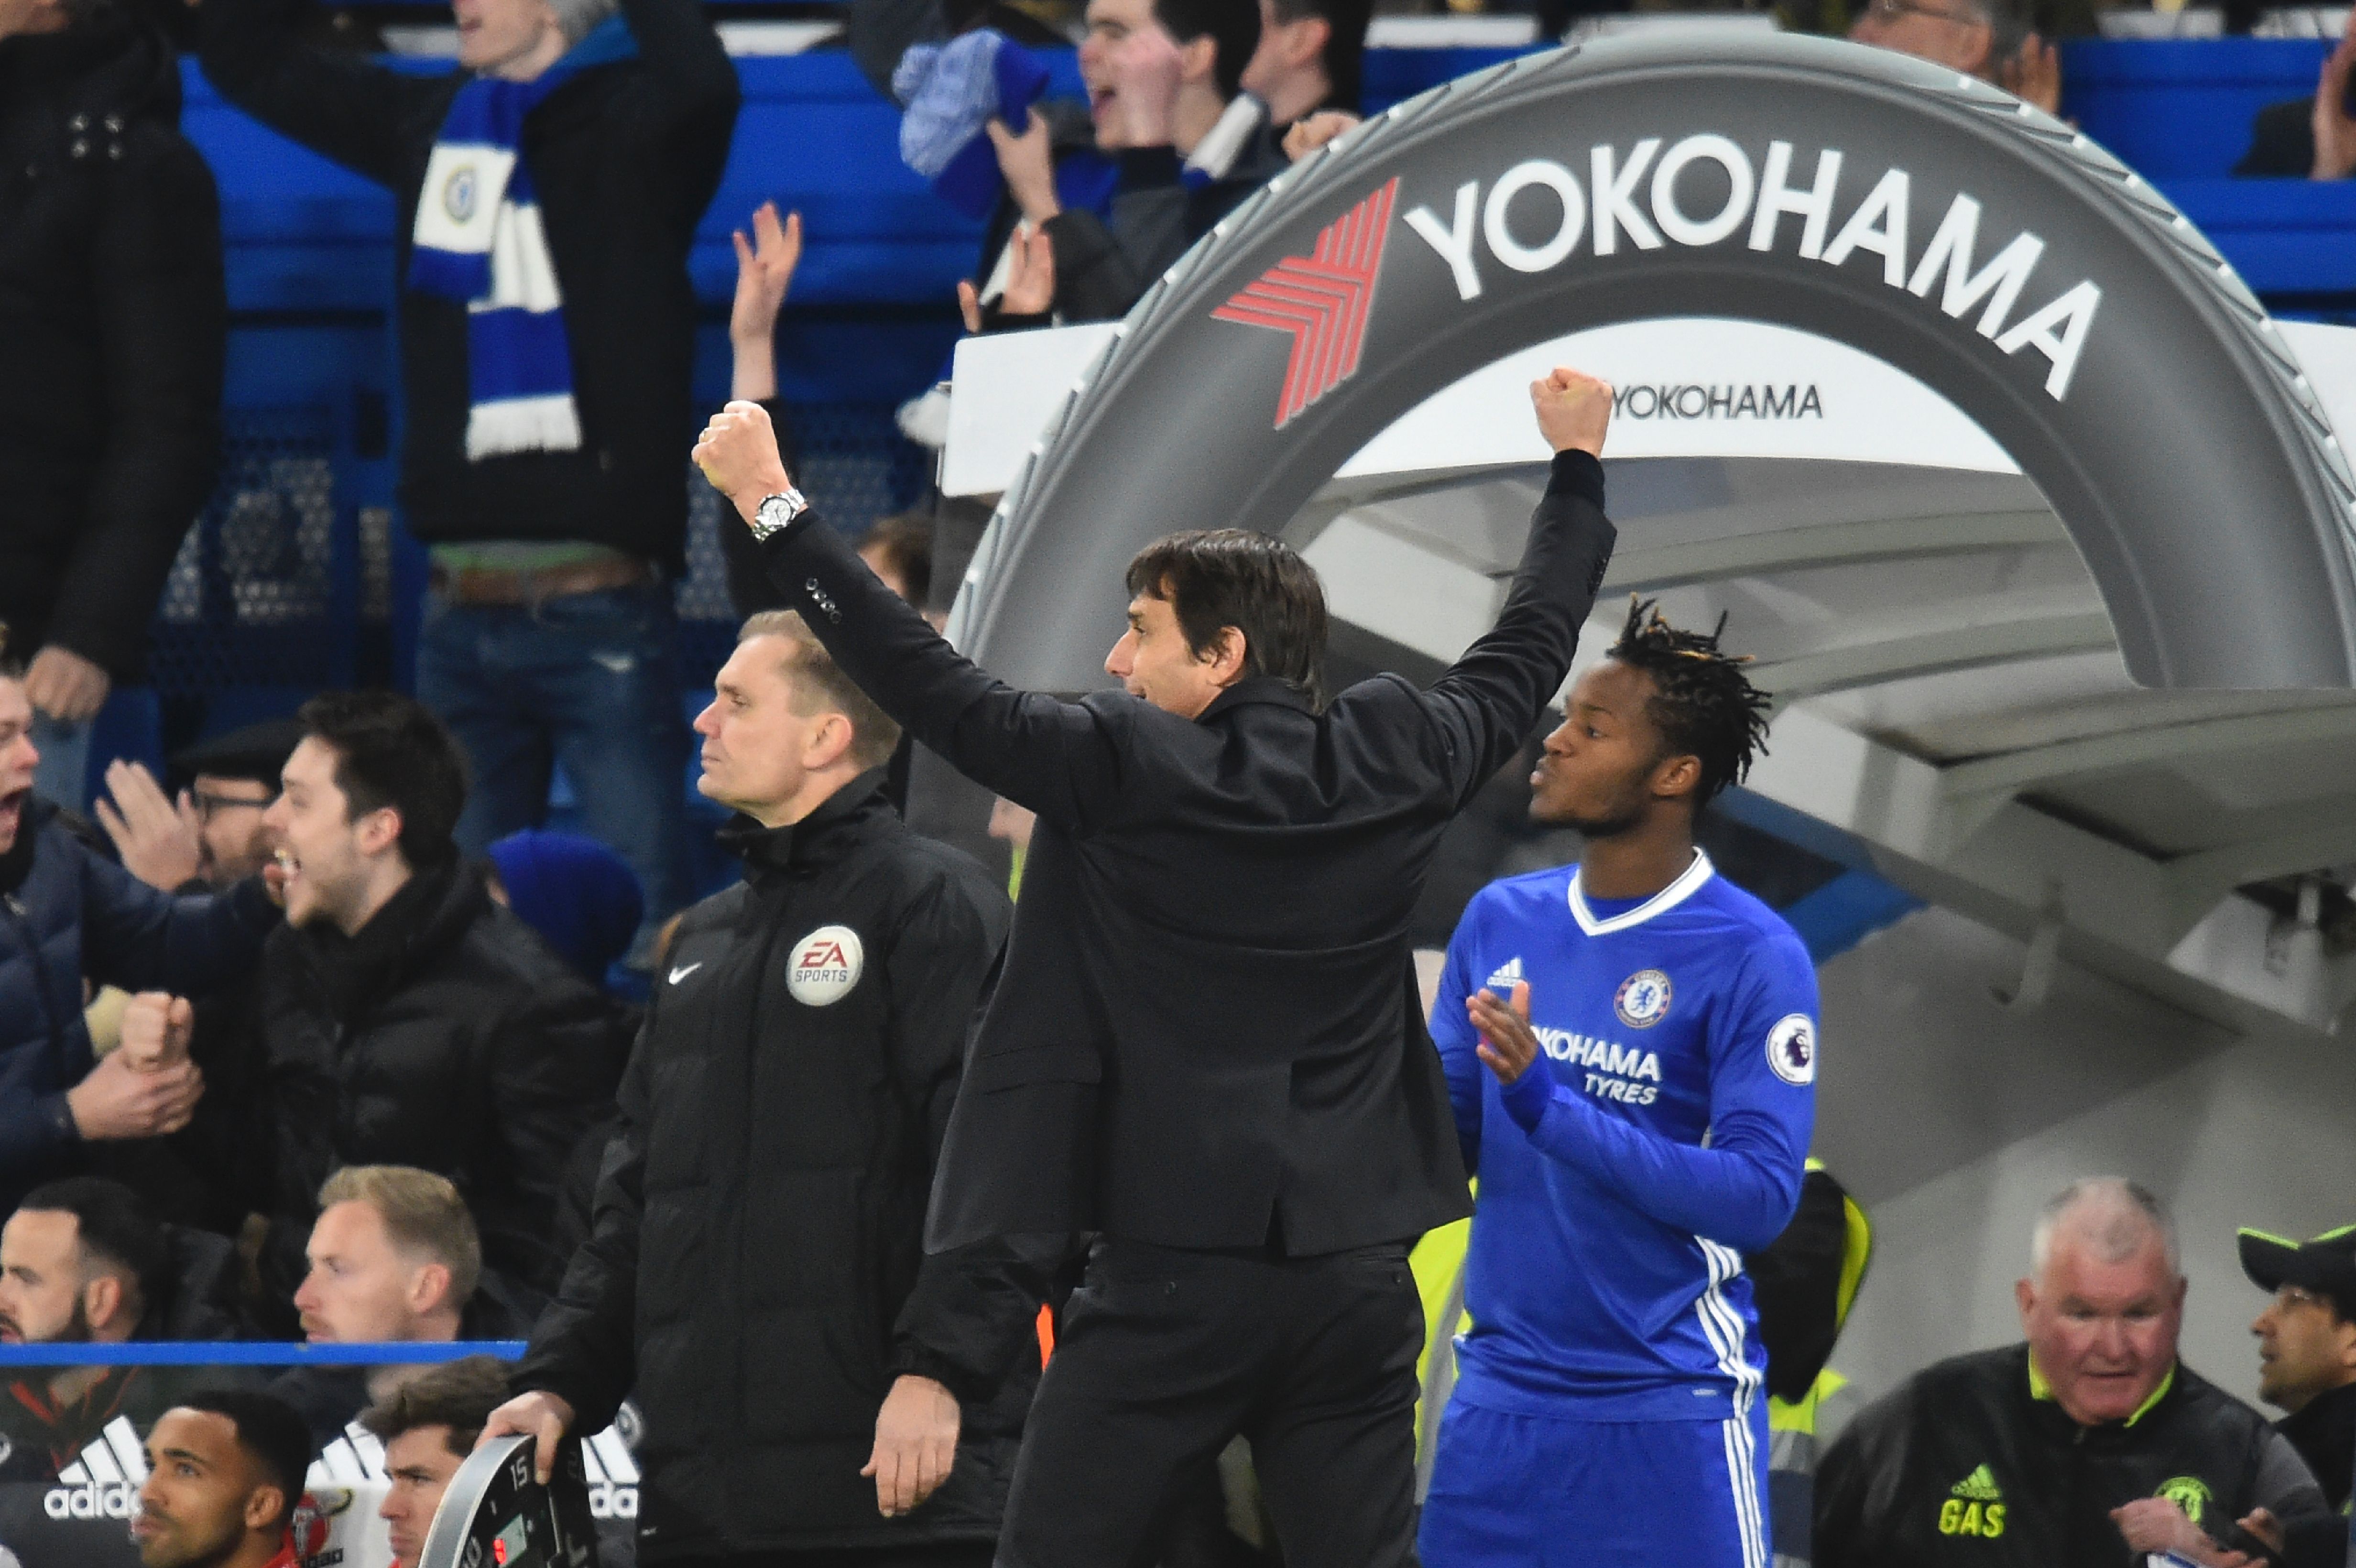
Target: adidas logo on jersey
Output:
{"points": [[1979, 1486], [104, 1482], [1508, 976]]}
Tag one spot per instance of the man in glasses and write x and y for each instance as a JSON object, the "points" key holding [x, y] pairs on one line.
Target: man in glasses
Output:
{"points": [[1987, 38], [212, 836], [2306, 1347]]}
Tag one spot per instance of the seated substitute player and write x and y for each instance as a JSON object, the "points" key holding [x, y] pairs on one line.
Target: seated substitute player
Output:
{"points": [[1649, 1036]]}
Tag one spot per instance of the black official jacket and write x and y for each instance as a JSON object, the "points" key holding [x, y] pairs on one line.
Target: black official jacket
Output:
{"points": [[1967, 1466], [754, 1260], [1208, 1035], [624, 159]]}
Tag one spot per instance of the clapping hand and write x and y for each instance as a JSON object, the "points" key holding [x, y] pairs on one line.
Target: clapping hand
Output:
{"points": [[160, 842], [1508, 1045]]}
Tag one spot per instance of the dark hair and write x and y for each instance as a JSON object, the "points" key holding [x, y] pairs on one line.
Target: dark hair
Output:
{"points": [[459, 1394], [904, 540], [1233, 25], [1344, 54], [267, 1429], [1702, 703], [1217, 578], [113, 1229], [391, 752]]}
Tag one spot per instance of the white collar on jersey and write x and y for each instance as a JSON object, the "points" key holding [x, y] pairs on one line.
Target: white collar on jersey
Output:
{"points": [[1688, 883]]}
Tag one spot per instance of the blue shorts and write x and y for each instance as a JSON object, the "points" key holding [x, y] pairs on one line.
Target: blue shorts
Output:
{"points": [[1526, 1491]]}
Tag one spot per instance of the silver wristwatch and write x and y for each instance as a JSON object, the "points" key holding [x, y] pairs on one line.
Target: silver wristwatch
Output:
{"points": [[777, 512]]}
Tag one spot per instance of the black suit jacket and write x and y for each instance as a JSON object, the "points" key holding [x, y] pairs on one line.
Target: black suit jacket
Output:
{"points": [[1207, 1033]]}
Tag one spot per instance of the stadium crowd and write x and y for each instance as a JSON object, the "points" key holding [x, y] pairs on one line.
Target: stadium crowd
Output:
{"points": [[324, 1038]]}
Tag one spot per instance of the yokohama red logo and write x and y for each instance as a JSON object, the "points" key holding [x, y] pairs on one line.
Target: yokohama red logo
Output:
{"points": [[1323, 300]]}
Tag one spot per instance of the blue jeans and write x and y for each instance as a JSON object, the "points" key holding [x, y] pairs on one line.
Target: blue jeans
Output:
{"points": [[589, 680], [64, 773]]}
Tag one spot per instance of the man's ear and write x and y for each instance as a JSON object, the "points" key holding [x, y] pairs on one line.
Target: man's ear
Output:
{"points": [[1198, 60], [1676, 776], [829, 742], [2024, 1297], [429, 1288], [101, 1299], [264, 1506], [380, 830], [1306, 40], [2344, 1330], [1226, 656]]}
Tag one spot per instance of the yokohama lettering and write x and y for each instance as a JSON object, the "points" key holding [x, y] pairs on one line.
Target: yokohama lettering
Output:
{"points": [[1635, 200]]}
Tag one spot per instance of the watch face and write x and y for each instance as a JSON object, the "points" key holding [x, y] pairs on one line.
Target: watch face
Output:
{"points": [[495, 1515]]}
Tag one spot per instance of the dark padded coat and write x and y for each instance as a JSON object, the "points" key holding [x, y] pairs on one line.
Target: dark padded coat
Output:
{"points": [[1209, 1036], [113, 326], [445, 1035], [623, 158], [67, 912], [755, 1268]]}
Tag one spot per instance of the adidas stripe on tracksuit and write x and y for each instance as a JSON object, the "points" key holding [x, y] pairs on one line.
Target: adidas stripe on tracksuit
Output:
{"points": [[1609, 1405]]}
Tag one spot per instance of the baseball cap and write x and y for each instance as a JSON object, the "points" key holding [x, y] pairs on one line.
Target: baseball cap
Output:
{"points": [[255, 752], [2325, 1265]]}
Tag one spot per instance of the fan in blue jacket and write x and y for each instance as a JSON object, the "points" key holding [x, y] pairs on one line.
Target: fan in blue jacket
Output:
{"points": [[67, 912]]}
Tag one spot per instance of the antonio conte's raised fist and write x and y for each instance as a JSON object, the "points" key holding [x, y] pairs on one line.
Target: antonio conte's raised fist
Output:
{"points": [[1573, 409]]}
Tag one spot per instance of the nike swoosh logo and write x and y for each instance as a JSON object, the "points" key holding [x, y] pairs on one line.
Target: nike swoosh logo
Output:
{"points": [[678, 975]]}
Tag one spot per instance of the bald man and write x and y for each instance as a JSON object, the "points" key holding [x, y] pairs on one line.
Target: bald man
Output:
{"points": [[2089, 1444]]}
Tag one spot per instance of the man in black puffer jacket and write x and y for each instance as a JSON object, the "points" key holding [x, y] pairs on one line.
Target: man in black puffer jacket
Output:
{"points": [[402, 1017], [113, 323], [755, 1268], [65, 912]]}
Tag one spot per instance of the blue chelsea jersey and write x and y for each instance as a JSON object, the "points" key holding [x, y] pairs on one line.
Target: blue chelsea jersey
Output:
{"points": [[1660, 1136]]}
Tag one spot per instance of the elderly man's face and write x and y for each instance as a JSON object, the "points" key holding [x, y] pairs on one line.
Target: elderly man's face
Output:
{"points": [[2103, 1331], [1944, 32]]}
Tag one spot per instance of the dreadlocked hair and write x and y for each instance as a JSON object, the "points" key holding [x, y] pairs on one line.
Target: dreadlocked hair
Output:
{"points": [[1703, 704]]}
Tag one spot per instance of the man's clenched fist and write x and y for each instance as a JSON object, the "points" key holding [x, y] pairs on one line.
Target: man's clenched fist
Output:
{"points": [[738, 453], [157, 1027], [1573, 409]]}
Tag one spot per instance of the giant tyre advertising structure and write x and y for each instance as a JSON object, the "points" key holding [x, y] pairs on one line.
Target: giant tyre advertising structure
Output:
{"points": [[1923, 218]]}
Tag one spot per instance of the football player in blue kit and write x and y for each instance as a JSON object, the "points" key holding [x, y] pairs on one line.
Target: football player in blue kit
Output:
{"points": [[1631, 1046]]}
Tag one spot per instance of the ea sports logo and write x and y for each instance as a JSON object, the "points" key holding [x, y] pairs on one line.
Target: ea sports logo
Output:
{"points": [[1791, 1049], [1643, 999], [824, 966]]}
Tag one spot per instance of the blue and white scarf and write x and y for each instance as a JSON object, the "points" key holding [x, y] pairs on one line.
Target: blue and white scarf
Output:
{"points": [[478, 240], [950, 91]]}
